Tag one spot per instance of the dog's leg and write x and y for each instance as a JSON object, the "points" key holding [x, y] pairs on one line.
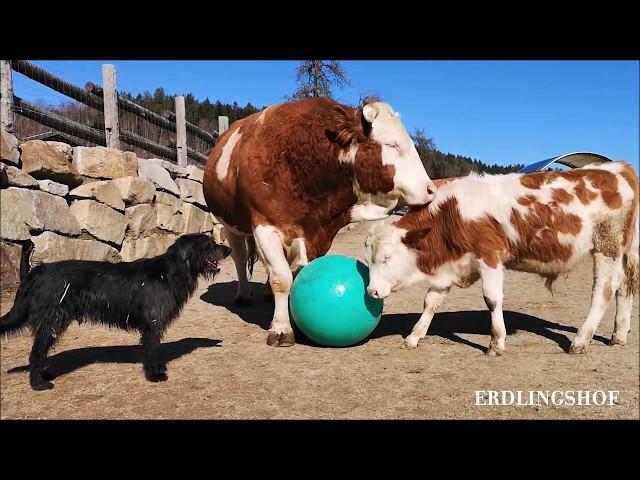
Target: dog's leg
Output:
{"points": [[154, 370], [43, 340]]}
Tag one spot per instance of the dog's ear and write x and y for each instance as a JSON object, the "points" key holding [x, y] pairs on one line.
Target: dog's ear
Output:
{"points": [[183, 251]]}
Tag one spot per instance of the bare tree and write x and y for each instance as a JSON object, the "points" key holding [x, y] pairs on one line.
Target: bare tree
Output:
{"points": [[316, 77]]}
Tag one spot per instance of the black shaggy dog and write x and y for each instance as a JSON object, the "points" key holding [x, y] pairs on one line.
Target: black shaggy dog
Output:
{"points": [[145, 295]]}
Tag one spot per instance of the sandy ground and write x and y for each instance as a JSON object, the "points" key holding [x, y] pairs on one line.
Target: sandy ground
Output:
{"points": [[220, 366]]}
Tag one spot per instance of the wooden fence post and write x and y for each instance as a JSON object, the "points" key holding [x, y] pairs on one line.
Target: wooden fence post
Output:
{"points": [[110, 99], [6, 92], [223, 124], [181, 132]]}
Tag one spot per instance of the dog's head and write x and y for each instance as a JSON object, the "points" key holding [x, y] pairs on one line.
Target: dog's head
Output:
{"points": [[201, 253]]}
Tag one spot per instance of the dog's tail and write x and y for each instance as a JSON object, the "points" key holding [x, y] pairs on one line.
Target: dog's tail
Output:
{"points": [[252, 255], [16, 319]]}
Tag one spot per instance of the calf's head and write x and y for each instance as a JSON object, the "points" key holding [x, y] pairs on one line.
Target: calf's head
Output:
{"points": [[392, 265]]}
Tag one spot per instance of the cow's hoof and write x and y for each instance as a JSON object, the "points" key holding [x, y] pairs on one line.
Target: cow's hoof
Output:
{"points": [[241, 302], [409, 344], [575, 349], [616, 342], [494, 352], [284, 339]]}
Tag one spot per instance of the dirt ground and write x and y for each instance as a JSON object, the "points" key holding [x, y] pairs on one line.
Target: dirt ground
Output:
{"points": [[221, 368]]}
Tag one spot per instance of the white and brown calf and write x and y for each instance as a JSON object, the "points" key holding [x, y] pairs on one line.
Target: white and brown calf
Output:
{"points": [[541, 223]]}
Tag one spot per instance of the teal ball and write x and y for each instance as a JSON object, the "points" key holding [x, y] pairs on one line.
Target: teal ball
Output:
{"points": [[329, 301]]}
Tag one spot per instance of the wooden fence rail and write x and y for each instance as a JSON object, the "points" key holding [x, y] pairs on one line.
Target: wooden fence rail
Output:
{"points": [[104, 100]]}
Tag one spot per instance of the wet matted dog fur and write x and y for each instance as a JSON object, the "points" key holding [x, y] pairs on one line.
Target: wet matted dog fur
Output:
{"points": [[145, 295]]}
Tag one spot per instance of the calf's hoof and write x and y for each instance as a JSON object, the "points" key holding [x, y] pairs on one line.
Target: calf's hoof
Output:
{"points": [[409, 344], [577, 349], [283, 339], [616, 342], [494, 352]]}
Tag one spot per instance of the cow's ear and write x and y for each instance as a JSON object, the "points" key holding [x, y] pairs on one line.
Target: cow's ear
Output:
{"points": [[346, 130], [369, 112]]}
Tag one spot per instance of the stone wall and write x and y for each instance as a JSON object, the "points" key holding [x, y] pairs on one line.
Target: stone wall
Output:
{"points": [[60, 202]]}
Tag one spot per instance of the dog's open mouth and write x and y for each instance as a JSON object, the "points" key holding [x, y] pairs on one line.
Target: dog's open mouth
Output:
{"points": [[213, 266]]}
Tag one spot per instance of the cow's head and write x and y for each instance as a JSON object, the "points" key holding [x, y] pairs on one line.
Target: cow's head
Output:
{"points": [[385, 161], [392, 265]]}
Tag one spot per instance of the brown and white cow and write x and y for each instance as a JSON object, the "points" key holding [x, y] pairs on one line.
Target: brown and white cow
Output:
{"points": [[539, 222], [286, 179]]}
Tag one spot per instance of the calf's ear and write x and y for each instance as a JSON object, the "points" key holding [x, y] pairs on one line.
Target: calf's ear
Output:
{"points": [[414, 237]]}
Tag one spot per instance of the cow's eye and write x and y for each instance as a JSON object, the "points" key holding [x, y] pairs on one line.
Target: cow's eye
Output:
{"points": [[386, 258]]}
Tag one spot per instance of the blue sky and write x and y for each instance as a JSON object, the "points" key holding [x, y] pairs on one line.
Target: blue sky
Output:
{"points": [[496, 111]]}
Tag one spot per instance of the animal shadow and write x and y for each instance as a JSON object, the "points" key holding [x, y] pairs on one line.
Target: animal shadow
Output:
{"points": [[71, 360], [450, 324], [259, 312], [446, 324]]}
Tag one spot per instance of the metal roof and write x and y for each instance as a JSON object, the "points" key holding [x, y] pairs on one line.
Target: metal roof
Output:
{"points": [[573, 160]]}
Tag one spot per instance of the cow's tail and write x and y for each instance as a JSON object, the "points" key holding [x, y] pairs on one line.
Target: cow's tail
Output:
{"points": [[252, 255], [631, 259]]}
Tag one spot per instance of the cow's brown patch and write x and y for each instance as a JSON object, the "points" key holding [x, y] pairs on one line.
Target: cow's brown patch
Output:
{"points": [[538, 233], [607, 183], [527, 200], [602, 180], [444, 236], [585, 195], [371, 174], [537, 179], [561, 196]]}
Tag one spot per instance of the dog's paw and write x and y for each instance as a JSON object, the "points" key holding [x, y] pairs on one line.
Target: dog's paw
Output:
{"points": [[41, 385], [156, 377]]}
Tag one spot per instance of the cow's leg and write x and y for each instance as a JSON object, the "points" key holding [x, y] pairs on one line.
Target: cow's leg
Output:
{"points": [[239, 254], [271, 250], [624, 303], [432, 301], [492, 289], [606, 276]]}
